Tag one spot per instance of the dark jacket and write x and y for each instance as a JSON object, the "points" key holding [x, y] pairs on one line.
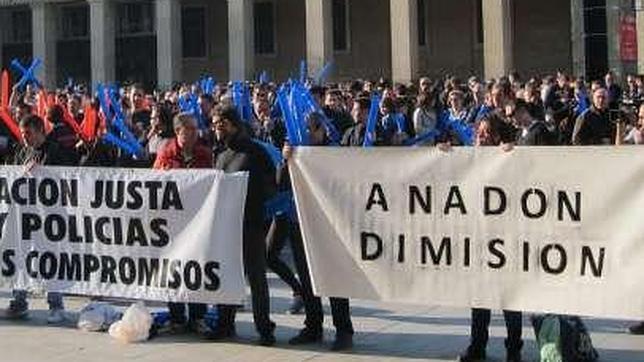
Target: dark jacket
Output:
{"points": [[48, 154], [593, 127], [537, 134], [242, 154]]}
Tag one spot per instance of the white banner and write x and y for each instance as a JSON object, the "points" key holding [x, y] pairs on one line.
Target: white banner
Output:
{"points": [[144, 234], [548, 229]]}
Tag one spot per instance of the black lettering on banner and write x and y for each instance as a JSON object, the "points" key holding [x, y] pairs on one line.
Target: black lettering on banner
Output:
{"points": [[454, 200], [501, 204], [171, 197], [466, 252], [210, 270], [153, 187], [5, 197], [3, 219], [596, 264], [89, 231], [74, 237], [543, 206], [55, 227], [48, 265], [31, 184], [98, 195], [29, 263], [30, 223], [118, 231], [48, 192], [9, 267], [574, 212], [416, 197], [136, 201], [127, 270], [99, 228], [69, 193], [377, 197], [492, 247], [70, 267], [108, 269], [526, 256], [175, 282], [148, 272], [164, 273], [364, 246], [15, 191], [192, 275], [444, 249], [545, 262], [114, 196], [158, 228], [401, 248], [136, 233], [91, 264]]}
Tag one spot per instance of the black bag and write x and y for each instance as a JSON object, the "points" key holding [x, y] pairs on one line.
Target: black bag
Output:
{"points": [[563, 338]]}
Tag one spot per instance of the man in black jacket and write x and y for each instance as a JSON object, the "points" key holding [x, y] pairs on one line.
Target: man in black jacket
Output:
{"points": [[593, 127], [237, 152], [38, 150]]}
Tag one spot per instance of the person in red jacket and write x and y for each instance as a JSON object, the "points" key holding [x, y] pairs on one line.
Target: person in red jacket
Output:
{"points": [[184, 151]]}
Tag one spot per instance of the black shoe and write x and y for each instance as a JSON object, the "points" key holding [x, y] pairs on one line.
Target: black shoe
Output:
{"points": [[266, 340], [306, 336], [296, 305], [343, 342], [514, 357], [472, 355], [637, 329], [220, 333]]}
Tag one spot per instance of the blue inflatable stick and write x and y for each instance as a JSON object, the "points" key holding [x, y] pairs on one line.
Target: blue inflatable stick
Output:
{"points": [[28, 74], [372, 120]]}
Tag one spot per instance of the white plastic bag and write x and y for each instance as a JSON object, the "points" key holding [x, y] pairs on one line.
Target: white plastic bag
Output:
{"points": [[97, 317], [134, 326]]}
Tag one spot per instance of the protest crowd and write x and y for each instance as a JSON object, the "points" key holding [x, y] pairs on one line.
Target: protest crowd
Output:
{"points": [[255, 126]]}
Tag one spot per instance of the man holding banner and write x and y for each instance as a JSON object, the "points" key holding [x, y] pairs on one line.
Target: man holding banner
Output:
{"points": [[38, 150], [181, 153], [238, 155]]}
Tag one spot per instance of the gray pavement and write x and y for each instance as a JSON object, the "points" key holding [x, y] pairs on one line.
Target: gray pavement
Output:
{"points": [[385, 332]]}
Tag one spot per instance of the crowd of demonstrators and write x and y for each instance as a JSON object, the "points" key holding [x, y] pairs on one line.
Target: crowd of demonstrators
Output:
{"points": [[553, 110]]}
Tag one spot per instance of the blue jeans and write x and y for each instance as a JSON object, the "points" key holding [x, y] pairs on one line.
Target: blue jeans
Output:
{"points": [[55, 300]]}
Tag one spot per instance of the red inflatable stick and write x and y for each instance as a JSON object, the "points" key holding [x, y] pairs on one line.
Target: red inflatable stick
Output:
{"points": [[11, 124], [4, 90], [41, 109], [90, 123], [71, 122]]}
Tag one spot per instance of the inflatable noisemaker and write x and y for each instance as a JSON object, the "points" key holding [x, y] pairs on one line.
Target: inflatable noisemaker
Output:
{"points": [[372, 120], [28, 74]]}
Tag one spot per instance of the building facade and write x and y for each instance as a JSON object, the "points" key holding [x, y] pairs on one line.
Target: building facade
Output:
{"points": [[158, 42]]}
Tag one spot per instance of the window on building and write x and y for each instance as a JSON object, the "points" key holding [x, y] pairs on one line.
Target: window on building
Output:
{"points": [[422, 22], [264, 13], [136, 18], [74, 22], [193, 32], [20, 26], [340, 25]]}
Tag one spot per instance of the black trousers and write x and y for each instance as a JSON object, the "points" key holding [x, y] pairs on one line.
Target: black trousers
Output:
{"points": [[340, 309], [481, 323], [178, 312], [254, 250], [276, 239]]}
